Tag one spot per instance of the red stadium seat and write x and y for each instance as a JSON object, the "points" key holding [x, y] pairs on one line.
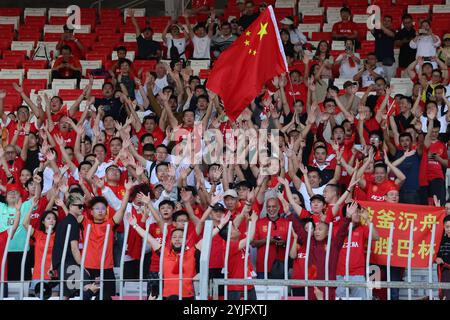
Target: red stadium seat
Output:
{"points": [[5, 44], [12, 101], [7, 28], [204, 73], [146, 65], [9, 64], [317, 36], [96, 56], [36, 21], [29, 36], [36, 84], [52, 37], [11, 12], [6, 84], [314, 19], [110, 13], [98, 93], [54, 20], [34, 64], [70, 94]]}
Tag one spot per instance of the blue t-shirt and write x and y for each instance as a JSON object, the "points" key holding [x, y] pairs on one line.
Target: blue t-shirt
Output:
{"points": [[410, 168]]}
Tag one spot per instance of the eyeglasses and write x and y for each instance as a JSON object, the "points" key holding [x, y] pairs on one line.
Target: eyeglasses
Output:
{"points": [[99, 209], [78, 205]]}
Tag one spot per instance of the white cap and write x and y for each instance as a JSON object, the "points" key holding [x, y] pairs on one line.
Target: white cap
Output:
{"points": [[287, 21]]}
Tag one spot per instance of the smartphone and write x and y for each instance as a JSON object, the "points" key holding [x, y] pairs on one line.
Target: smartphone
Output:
{"points": [[359, 147], [280, 188]]}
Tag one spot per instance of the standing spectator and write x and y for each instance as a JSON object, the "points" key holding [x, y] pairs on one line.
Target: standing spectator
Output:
{"points": [[176, 44], [148, 49], [426, 42], [66, 66], [201, 39], [248, 16], [384, 47], [68, 39], [75, 205], [345, 29], [223, 39], [402, 38], [349, 61]]}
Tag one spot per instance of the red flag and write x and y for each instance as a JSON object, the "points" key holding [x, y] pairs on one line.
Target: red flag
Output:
{"points": [[241, 71]]}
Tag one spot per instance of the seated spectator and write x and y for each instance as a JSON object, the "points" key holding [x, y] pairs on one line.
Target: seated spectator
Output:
{"points": [[121, 55], [148, 49], [369, 72], [68, 39], [248, 16], [296, 36], [345, 29], [223, 39], [349, 61], [66, 66], [176, 44], [200, 39]]}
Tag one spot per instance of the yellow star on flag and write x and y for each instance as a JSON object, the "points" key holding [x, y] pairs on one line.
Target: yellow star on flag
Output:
{"points": [[248, 33], [247, 43], [254, 52], [262, 31]]}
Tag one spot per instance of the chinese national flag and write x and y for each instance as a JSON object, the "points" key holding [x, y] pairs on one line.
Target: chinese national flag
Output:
{"points": [[254, 58]]}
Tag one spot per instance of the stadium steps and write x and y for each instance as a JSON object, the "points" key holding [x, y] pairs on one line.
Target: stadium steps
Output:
{"points": [[419, 275]]}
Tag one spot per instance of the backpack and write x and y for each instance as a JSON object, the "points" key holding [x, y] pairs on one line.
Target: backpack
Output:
{"points": [[174, 53], [42, 53]]}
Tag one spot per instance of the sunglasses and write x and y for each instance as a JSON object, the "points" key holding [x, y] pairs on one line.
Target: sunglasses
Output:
{"points": [[79, 206]]}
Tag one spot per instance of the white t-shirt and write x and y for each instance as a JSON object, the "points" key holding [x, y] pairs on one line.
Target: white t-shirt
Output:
{"points": [[180, 44], [201, 47], [442, 121], [367, 78], [160, 84], [345, 71], [304, 192]]}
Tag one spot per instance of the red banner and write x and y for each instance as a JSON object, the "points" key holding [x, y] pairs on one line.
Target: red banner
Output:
{"points": [[402, 216]]}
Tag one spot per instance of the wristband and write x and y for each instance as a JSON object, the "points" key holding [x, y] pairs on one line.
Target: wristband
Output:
{"points": [[248, 203], [27, 134], [218, 228], [348, 191], [212, 207]]}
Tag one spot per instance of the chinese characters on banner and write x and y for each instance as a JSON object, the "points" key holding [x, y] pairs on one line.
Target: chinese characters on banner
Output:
{"points": [[402, 216]]}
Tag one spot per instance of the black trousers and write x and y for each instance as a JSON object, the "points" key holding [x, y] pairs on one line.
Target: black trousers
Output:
{"points": [[131, 268], [15, 263], [109, 283]]}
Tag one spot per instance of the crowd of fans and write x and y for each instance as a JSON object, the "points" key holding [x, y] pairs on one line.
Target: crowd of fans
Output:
{"points": [[113, 164]]}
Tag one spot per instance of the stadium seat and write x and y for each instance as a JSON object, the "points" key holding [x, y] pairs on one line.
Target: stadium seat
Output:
{"points": [[39, 74], [130, 55], [318, 36], [90, 64], [58, 84], [96, 56], [146, 65], [34, 84], [97, 85], [70, 94]]}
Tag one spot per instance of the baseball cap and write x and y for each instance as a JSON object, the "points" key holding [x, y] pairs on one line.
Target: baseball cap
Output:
{"points": [[286, 21], [348, 84], [231, 193], [446, 36], [232, 18], [12, 187], [219, 207]]}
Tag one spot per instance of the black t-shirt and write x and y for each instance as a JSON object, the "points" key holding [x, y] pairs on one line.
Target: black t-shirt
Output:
{"points": [[384, 45], [245, 21], [407, 54], [32, 160], [60, 236], [402, 122], [112, 107], [147, 48]]}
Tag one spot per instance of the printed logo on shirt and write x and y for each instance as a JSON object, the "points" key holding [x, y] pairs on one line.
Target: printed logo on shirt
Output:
{"points": [[264, 229], [354, 244], [377, 198]]}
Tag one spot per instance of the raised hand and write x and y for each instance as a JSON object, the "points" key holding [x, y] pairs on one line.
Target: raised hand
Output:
{"points": [[216, 198], [18, 88], [2, 94], [351, 209]]}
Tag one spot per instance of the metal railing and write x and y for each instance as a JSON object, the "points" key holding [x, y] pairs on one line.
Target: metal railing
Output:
{"points": [[204, 265]]}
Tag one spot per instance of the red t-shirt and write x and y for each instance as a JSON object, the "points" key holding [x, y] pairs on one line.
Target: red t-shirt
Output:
{"points": [[298, 268], [66, 72], [40, 239], [217, 255], [236, 260], [369, 126], [432, 169], [299, 91], [377, 191], [357, 259], [15, 169], [157, 233], [12, 125], [344, 28], [76, 52], [3, 239], [35, 216], [96, 242], [157, 134], [279, 228]]}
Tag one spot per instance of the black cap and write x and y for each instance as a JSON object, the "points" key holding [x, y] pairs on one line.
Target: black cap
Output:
{"points": [[317, 197], [219, 207], [348, 84]]}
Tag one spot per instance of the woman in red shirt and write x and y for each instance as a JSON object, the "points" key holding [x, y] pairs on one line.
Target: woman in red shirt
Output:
{"points": [[48, 219]]}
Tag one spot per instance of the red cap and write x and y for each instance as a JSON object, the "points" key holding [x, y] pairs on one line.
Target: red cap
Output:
{"points": [[12, 187], [392, 187]]}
